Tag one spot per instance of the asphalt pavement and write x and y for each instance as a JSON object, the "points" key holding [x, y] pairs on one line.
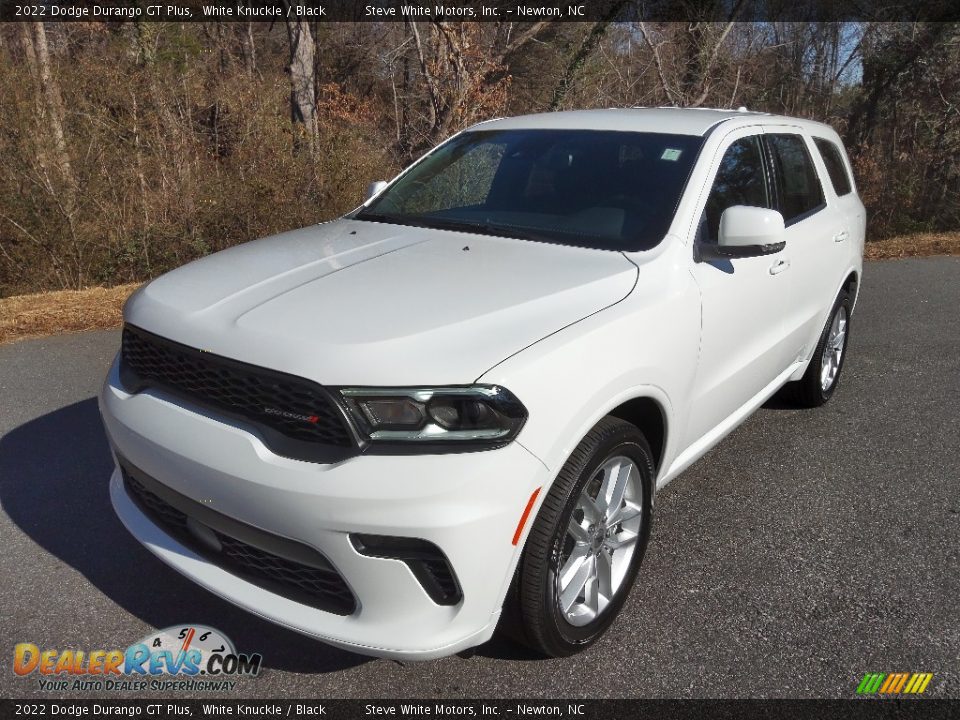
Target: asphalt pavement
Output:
{"points": [[808, 548]]}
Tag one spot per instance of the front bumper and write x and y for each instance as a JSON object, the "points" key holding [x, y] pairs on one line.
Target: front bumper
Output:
{"points": [[466, 504]]}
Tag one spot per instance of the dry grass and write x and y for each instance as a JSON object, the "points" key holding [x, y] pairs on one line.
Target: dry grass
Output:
{"points": [[920, 245], [50, 313], [26, 316]]}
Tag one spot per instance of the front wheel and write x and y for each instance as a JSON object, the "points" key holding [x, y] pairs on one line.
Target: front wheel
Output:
{"points": [[823, 373], [587, 542]]}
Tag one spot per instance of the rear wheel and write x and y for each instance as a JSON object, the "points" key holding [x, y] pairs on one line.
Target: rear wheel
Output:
{"points": [[823, 373], [587, 543]]}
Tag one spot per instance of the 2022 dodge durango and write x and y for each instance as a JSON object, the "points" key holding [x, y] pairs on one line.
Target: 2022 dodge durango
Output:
{"points": [[453, 406]]}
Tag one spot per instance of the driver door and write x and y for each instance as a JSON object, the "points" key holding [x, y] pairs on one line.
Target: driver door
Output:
{"points": [[743, 345]]}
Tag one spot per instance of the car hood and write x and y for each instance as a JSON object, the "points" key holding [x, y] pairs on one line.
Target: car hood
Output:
{"points": [[363, 303]]}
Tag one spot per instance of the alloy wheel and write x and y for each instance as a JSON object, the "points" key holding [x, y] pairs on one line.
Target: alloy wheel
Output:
{"points": [[601, 540], [833, 349]]}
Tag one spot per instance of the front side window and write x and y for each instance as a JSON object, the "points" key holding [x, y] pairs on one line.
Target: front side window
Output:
{"points": [[602, 189], [740, 180], [836, 168], [797, 181]]}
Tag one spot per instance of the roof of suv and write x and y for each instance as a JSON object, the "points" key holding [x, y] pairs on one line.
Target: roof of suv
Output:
{"points": [[680, 121]]}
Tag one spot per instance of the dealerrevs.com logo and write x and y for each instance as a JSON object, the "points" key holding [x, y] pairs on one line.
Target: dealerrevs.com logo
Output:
{"points": [[182, 657]]}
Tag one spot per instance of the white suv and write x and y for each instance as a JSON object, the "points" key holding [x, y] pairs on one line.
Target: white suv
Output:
{"points": [[458, 401]]}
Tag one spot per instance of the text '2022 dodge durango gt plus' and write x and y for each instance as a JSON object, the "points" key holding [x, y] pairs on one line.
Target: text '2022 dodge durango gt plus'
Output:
{"points": [[451, 408]]}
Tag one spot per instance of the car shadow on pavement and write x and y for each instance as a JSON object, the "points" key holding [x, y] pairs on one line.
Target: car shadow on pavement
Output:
{"points": [[53, 486], [502, 647], [783, 399]]}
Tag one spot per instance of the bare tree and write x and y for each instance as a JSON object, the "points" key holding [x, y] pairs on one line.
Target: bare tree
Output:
{"points": [[589, 44], [303, 83], [49, 101], [895, 51], [180, 152], [249, 49], [690, 73], [465, 70]]}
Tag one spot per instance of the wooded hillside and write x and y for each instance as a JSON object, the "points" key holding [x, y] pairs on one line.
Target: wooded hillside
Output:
{"points": [[128, 149]]}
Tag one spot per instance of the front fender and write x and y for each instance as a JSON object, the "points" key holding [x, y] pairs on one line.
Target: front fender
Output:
{"points": [[647, 345]]}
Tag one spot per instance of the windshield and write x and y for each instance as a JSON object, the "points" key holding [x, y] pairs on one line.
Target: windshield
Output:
{"points": [[601, 189]]}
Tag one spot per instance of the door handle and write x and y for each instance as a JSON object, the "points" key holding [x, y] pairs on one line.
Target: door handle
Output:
{"points": [[841, 236], [779, 266]]}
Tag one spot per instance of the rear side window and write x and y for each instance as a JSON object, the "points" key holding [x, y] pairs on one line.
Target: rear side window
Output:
{"points": [[836, 169], [797, 181], [740, 181]]}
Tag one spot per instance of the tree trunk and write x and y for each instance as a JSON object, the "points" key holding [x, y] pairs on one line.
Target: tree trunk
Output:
{"points": [[434, 96], [52, 104], [249, 50], [303, 89]]}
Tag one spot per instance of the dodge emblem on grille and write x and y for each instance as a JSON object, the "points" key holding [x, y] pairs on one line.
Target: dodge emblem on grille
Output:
{"points": [[291, 415]]}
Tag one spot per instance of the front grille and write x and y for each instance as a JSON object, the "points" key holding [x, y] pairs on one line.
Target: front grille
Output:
{"points": [[321, 587], [159, 511], [294, 415]]}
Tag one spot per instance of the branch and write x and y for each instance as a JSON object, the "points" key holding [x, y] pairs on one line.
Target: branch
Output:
{"points": [[523, 38], [715, 52], [589, 44], [428, 76], [658, 63]]}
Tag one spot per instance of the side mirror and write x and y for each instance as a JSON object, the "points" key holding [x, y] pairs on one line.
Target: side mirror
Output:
{"points": [[746, 232], [374, 189]]}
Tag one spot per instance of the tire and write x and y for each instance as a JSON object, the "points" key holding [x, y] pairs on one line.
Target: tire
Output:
{"points": [[818, 385], [553, 561]]}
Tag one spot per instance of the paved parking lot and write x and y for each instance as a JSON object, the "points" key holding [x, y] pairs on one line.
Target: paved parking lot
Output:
{"points": [[808, 548]]}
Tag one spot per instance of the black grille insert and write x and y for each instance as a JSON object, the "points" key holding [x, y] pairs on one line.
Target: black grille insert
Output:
{"points": [[282, 566], [296, 417]]}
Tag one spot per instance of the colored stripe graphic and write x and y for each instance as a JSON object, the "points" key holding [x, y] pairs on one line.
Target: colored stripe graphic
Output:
{"points": [[894, 683], [871, 683], [903, 681], [924, 680]]}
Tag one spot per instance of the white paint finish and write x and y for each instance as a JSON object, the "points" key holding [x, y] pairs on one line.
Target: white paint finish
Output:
{"points": [[347, 633], [742, 225], [572, 332], [743, 337], [702, 444], [645, 346], [470, 510], [744, 344], [665, 120], [449, 304], [819, 264]]}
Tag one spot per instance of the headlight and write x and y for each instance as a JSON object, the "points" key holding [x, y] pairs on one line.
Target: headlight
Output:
{"points": [[485, 414]]}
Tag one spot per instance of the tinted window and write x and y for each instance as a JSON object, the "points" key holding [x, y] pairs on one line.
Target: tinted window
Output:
{"points": [[836, 169], [740, 181], [601, 189], [797, 181]]}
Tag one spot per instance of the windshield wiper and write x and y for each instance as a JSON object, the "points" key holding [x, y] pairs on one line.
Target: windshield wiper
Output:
{"points": [[513, 231], [381, 217], [424, 221], [487, 227]]}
